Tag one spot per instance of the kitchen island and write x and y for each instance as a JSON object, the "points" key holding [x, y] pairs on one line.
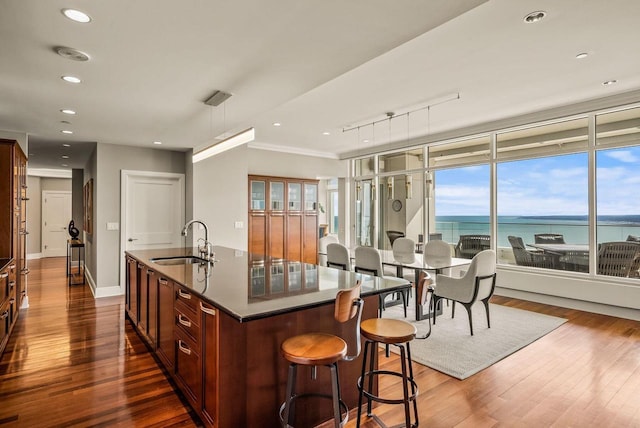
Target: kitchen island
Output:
{"points": [[217, 328]]}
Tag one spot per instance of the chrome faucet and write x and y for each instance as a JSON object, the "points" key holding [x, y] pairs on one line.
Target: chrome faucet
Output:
{"points": [[206, 250]]}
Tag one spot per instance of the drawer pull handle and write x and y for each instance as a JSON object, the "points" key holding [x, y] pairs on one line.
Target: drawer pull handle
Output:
{"points": [[163, 281], [150, 272], [4, 275], [209, 311], [184, 348], [12, 267], [184, 321], [184, 295], [4, 315], [12, 284]]}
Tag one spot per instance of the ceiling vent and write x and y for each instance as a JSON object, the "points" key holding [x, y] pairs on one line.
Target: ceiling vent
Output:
{"points": [[217, 98], [71, 53]]}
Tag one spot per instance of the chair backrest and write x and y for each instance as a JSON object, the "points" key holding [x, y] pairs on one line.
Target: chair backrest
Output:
{"points": [[470, 245], [349, 305], [404, 250], [483, 269], [548, 238], [368, 261], [326, 240], [519, 251], [617, 258], [436, 250], [338, 256], [393, 235]]}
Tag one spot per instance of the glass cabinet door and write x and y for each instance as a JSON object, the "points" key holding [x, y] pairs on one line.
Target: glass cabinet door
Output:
{"points": [[295, 196], [258, 195], [276, 195], [310, 196]]}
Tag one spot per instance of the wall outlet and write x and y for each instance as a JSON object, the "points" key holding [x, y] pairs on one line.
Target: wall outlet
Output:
{"points": [[113, 226], [239, 224]]}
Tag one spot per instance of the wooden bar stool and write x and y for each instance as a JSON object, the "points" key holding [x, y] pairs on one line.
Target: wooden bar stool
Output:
{"points": [[397, 333], [322, 349]]}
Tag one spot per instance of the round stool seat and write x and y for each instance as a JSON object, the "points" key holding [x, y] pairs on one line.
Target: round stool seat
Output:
{"points": [[314, 349], [388, 331]]}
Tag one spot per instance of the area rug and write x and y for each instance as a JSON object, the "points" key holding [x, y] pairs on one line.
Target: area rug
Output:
{"points": [[452, 350]]}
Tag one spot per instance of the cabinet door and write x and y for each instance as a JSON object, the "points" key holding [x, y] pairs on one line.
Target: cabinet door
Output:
{"points": [[276, 196], [294, 237], [294, 196], [165, 348], [188, 368], [310, 196], [258, 233], [143, 298], [310, 238], [132, 290], [277, 235], [210, 363], [152, 312], [5, 323], [258, 195]]}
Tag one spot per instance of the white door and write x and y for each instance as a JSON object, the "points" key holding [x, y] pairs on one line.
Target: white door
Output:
{"points": [[152, 205], [56, 215]]}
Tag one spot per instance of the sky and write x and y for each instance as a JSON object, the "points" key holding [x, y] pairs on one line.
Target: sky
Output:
{"points": [[556, 185]]}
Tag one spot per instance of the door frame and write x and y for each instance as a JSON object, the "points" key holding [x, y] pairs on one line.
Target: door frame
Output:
{"points": [[125, 177], [43, 195]]}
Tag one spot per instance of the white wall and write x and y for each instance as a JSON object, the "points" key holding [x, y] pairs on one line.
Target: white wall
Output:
{"points": [[220, 186]]}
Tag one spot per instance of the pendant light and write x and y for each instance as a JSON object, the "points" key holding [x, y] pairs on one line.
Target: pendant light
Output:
{"points": [[390, 180], [408, 178], [373, 181]]}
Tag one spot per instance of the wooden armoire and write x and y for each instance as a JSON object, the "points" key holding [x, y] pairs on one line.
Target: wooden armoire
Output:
{"points": [[13, 248], [283, 218]]}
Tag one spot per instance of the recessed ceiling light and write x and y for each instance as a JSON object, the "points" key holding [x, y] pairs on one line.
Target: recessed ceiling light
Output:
{"points": [[582, 55], [65, 157], [65, 131], [66, 145], [67, 111], [76, 15], [535, 16], [326, 133], [610, 82], [157, 143], [71, 79], [72, 54], [277, 124], [365, 141]]}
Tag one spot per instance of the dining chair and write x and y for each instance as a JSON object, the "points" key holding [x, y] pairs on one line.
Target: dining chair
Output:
{"points": [[322, 248], [368, 261], [338, 256], [525, 257], [404, 252], [393, 235], [436, 253], [478, 284]]}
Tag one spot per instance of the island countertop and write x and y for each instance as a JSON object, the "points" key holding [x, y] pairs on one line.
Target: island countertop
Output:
{"points": [[248, 287]]}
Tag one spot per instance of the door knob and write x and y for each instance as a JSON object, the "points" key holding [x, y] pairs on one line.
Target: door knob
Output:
{"points": [[132, 239]]}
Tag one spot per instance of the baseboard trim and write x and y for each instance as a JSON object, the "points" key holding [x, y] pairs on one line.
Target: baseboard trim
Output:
{"points": [[99, 292], [34, 256], [563, 302]]}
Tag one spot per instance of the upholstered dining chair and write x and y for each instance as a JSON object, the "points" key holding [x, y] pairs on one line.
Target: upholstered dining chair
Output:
{"points": [[404, 251], [437, 252], [478, 283], [322, 248], [338, 256], [393, 235], [368, 261]]}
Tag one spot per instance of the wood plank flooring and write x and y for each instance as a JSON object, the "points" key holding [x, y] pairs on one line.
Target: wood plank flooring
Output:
{"points": [[73, 361]]}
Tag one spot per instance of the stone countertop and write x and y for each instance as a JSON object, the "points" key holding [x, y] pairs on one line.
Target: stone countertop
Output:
{"points": [[249, 287]]}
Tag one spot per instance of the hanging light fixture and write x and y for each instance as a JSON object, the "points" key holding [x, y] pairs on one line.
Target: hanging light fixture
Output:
{"points": [[355, 163], [390, 188], [228, 143], [408, 184], [373, 182]]}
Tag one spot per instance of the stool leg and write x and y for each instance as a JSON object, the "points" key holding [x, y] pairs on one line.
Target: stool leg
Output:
{"points": [[335, 389], [361, 387], [413, 388], [373, 350], [291, 382], [405, 387]]}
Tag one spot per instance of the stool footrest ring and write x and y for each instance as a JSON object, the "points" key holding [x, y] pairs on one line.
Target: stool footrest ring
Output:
{"points": [[373, 397], [343, 406]]}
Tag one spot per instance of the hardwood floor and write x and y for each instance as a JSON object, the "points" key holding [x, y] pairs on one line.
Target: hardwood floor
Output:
{"points": [[73, 361]]}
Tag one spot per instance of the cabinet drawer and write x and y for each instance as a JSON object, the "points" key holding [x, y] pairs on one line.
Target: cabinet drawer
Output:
{"points": [[190, 301], [188, 369], [188, 323], [4, 285]]}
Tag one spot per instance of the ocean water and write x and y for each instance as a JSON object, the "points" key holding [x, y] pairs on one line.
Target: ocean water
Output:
{"points": [[574, 228]]}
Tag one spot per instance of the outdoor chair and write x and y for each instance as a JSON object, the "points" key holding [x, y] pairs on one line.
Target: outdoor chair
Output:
{"points": [[576, 261], [548, 238], [477, 284], [620, 259], [470, 245], [525, 257]]}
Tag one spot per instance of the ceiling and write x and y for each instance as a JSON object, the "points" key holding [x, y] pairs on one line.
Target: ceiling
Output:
{"points": [[316, 68]]}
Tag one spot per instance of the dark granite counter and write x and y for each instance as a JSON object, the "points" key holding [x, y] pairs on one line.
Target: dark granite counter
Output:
{"points": [[250, 287], [4, 263]]}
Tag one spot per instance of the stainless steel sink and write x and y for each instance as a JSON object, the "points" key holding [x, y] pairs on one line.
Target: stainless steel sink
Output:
{"points": [[178, 260]]}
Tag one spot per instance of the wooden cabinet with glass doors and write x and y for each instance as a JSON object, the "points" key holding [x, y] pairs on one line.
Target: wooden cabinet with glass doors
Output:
{"points": [[283, 218]]}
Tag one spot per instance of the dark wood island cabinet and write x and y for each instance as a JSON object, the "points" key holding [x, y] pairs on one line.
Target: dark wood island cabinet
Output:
{"points": [[217, 328]]}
